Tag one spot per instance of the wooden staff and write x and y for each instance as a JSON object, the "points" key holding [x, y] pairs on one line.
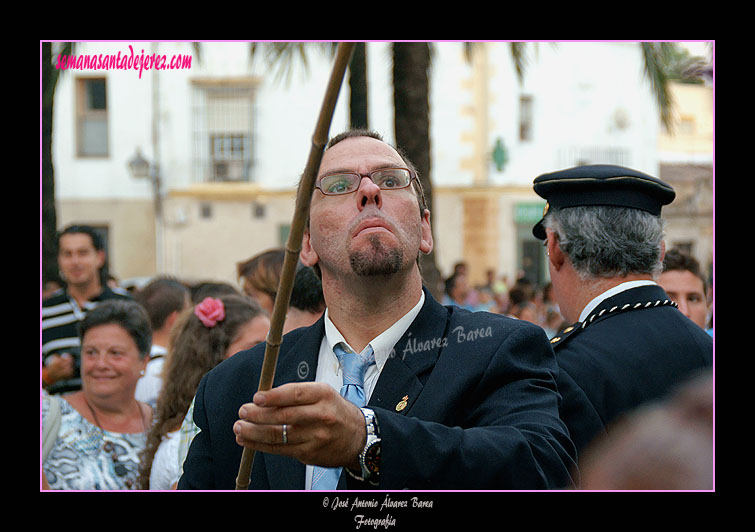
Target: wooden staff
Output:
{"points": [[293, 244]]}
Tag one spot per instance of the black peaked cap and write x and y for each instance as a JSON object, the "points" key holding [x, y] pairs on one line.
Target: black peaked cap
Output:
{"points": [[601, 184]]}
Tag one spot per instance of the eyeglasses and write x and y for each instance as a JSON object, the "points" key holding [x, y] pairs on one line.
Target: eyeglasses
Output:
{"points": [[385, 178]]}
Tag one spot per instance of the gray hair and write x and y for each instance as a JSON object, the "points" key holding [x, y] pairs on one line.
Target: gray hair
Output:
{"points": [[604, 241]]}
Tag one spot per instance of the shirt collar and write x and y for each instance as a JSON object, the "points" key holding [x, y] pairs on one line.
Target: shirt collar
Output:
{"points": [[610, 293], [382, 344]]}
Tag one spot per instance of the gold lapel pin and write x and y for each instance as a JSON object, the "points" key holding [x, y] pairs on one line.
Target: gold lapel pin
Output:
{"points": [[402, 404]]}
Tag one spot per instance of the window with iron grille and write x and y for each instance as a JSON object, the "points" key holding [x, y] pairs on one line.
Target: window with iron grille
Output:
{"points": [[222, 132]]}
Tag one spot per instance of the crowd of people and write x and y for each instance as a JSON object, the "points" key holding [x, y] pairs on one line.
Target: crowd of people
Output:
{"points": [[121, 367], [683, 279], [521, 299], [135, 385]]}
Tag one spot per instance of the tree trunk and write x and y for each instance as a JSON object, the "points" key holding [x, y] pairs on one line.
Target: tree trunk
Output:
{"points": [[412, 130], [358, 87], [49, 218]]}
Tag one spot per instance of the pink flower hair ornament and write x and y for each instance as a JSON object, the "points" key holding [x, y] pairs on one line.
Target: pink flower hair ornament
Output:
{"points": [[210, 311]]}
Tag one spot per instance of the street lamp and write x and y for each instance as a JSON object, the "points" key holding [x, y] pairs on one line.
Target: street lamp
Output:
{"points": [[139, 166]]}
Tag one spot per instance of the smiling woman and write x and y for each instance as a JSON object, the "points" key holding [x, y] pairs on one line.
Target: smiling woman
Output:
{"points": [[102, 428]]}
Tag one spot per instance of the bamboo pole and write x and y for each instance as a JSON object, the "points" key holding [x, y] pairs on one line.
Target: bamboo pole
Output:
{"points": [[293, 244]]}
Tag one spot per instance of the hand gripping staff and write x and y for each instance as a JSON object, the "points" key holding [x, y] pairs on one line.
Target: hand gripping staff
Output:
{"points": [[293, 244]]}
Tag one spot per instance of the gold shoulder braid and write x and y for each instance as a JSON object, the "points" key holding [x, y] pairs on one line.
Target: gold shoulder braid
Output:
{"points": [[569, 331]]}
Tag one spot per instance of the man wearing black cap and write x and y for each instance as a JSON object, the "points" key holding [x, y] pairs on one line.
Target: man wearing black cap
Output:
{"points": [[627, 344]]}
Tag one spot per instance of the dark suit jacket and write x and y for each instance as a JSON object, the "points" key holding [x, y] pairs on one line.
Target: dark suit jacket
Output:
{"points": [[634, 347], [482, 409]]}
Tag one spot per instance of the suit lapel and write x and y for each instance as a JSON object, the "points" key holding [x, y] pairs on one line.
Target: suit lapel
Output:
{"points": [[297, 364], [412, 359], [399, 385]]}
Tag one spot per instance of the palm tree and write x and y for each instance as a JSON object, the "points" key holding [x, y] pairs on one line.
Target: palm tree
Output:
{"points": [[411, 89], [655, 57], [412, 62], [282, 58], [50, 76], [358, 87], [411, 65]]}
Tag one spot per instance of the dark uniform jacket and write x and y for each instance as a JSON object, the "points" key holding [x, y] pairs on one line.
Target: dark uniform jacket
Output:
{"points": [[466, 401], [633, 348]]}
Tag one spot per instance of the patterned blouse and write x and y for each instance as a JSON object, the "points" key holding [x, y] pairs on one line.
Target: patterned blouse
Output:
{"points": [[87, 458]]}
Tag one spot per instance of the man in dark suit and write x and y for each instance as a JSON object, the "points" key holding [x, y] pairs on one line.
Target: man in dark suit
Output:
{"points": [[454, 399], [628, 343]]}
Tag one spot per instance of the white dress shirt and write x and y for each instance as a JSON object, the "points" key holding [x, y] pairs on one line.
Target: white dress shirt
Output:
{"points": [[610, 293], [329, 369]]}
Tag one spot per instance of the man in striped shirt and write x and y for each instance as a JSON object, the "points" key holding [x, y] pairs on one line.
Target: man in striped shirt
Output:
{"points": [[81, 258]]}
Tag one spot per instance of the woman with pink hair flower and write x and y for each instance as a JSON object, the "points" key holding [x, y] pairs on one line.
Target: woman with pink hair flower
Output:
{"points": [[204, 336]]}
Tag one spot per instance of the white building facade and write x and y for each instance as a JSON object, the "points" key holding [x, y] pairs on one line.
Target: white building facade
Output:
{"points": [[230, 141]]}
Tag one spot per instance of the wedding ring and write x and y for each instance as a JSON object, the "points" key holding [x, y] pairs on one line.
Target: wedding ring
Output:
{"points": [[285, 434]]}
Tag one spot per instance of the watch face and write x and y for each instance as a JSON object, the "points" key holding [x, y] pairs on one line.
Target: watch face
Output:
{"points": [[372, 458]]}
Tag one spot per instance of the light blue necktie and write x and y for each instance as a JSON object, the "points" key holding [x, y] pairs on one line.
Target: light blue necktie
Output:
{"points": [[354, 367]]}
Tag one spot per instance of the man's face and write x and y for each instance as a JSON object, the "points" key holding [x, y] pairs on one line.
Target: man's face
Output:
{"points": [[78, 260], [686, 289], [369, 231]]}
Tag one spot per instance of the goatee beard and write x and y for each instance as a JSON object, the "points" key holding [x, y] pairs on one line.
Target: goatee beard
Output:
{"points": [[376, 261]]}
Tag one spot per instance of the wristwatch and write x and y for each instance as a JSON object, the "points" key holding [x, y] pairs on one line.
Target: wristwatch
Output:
{"points": [[369, 458]]}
